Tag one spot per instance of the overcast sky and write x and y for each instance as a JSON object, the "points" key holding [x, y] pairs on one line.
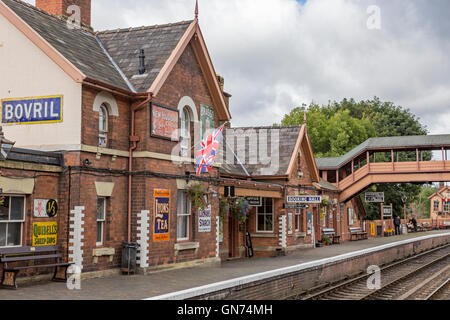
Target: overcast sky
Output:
{"points": [[278, 54]]}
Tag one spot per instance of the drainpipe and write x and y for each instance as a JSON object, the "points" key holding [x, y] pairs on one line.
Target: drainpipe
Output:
{"points": [[134, 139]]}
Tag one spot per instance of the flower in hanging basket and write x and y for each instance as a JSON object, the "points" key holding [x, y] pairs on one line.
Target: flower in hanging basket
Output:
{"points": [[195, 193]]}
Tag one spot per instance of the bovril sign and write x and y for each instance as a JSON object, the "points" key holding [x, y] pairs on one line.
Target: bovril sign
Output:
{"points": [[32, 110]]}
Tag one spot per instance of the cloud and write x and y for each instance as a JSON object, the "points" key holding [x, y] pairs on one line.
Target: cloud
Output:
{"points": [[277, 54]]}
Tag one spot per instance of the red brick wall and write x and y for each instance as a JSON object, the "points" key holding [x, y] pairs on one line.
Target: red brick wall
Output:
{"points": [[47, 186], [59, 8], [118, 127], [293, 283], [186, 79]]}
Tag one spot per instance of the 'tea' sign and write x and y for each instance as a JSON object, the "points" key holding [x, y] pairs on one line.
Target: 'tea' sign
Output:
{"points": [[32, 110]]}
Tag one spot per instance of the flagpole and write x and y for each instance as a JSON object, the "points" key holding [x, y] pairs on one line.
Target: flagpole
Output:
{"points": [[237, 158], [246, 172], [197, 144]]}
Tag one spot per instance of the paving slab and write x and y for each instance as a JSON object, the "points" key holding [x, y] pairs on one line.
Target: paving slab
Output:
{"points": [[137, 287]]}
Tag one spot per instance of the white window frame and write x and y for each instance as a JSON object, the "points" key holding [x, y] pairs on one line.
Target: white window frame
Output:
{"points": [[351, 216], [101, 221], [185, 212], [265, 214], [446, 207], [185, 132], [14, 221], [298, 214], [103, 126], [325, 217], [434, 205], [291, 216]]}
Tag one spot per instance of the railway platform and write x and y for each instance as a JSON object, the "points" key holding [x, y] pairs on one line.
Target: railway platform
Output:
{"points": [[191, 282]]}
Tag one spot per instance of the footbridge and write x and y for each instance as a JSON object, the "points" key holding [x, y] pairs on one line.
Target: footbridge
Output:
{"points": [[406, 159]]}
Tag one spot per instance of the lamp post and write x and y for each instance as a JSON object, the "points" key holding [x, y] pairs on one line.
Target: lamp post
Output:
{"points": [[5, 145], [404, 198]]}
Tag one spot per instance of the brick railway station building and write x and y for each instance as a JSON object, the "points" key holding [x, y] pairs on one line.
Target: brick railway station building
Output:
{"points": [[105, 123]]}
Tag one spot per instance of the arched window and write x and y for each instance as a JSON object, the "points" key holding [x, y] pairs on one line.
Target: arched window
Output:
{"points": [[103, 126], [185, 133]]}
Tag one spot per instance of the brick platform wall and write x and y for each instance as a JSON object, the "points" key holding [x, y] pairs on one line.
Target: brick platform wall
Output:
{"points": [[293, 283]]}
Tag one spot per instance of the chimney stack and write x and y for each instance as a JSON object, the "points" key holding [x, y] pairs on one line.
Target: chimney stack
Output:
{"points": [[142, 62], [59, 8]]}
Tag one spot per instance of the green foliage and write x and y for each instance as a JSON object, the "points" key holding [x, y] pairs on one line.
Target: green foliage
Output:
{"points": [[195, 194], [422, 204], [338, 127], [325, 239], [223, 209]]}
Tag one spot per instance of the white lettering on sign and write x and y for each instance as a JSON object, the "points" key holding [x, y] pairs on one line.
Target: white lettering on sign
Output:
{"points": [[32, 110], [9, 111], [304, 199]]}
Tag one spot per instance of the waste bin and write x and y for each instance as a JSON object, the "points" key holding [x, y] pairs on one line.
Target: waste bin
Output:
{"points": [[404, 229], [129, 257]]}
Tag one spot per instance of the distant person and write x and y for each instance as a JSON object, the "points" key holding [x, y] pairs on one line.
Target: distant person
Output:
{"points": [[414, 222], [397, 225]]}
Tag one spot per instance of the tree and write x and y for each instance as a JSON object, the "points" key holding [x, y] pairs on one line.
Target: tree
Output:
{"points": [[338, 127]]}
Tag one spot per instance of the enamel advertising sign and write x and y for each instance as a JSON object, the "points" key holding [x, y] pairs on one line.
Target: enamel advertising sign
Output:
{"points": [[45, 234], [45, 208], [164, 122], [32, 110], [161, 223], [204, 219]]}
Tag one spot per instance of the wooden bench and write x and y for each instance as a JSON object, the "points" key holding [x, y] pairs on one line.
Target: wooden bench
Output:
{"points": [[356, 233], [426, 226], [34, 254], [329, 232]]}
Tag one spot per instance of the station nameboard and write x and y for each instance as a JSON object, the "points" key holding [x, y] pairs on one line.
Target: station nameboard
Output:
{"points": [[374, 197], [304, 199], [32, 110]]}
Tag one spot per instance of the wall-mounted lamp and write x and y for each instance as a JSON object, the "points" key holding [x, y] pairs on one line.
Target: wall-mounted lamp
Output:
{"points": [[5, 145]]}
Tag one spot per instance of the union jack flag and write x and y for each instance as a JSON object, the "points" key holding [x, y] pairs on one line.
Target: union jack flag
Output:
{"points": [[207, 151]]}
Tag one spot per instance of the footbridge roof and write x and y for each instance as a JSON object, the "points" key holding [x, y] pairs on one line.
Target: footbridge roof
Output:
{"points": [[385, 143]]}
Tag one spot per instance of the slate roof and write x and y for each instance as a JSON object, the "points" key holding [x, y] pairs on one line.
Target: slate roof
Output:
{"points": [[78, 46], [158, 42], [111, 57], [384, 143], [32, 156], [326, 185], [285, 137]]}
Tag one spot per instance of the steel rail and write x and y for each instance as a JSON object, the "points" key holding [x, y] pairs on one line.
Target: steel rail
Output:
{"points": [[349, 282], [438, 291], [405, 277]]}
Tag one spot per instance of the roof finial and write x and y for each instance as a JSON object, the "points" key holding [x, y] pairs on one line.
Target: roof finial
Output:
{"points": [[196, 9]]}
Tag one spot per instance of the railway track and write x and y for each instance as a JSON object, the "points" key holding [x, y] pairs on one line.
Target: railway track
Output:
{"points": [[419, 277], [442, 292]]}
